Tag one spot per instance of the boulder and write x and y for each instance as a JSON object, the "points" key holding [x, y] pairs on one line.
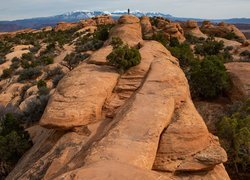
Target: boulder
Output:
{"points": [[79, 97], [147, 28], [239, 73], [128, 29], [191, 27]]}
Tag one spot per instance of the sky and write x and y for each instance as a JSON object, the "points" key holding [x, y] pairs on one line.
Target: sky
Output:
{"points": [[208, 9]]}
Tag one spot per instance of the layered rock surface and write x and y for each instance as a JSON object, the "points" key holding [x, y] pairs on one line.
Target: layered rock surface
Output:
{"points": [[169, 29], [139, 125], [239, 73], [191, 27], [221, 30]]}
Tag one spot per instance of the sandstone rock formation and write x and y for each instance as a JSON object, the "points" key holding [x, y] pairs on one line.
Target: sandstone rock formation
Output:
{"points": [[221, 30], [191, 27], [239, 73], [62, 26], [169, 29], [98, 20], [138, 125], [147, 28], [128, 29]]}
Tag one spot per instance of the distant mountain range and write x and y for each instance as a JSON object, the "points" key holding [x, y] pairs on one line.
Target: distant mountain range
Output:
{"points": [[74, 16]]}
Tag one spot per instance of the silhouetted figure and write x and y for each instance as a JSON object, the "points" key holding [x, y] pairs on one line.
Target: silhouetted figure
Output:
{"points": [[128, 11]]}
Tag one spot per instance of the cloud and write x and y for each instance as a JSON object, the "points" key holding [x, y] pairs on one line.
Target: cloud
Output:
{"points": [[17, 9]]}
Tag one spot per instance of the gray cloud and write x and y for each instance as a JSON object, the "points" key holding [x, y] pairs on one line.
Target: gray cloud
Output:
{"points": [[18, 9]]}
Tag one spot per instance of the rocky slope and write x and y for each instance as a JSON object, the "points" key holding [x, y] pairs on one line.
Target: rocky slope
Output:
{"points": [[142, 124]]}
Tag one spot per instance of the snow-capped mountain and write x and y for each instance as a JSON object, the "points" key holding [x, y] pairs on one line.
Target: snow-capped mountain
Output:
{"points": [[75, 16]]}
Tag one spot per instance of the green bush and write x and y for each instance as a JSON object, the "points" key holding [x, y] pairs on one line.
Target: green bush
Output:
{"points": [[14, 142], [102, 32], [209, 47], [46, 60], [174, 42], [29, 74], [89, 45], [28, 57], [6, 73], [56, 79], [234, 133], [41, 83], [245, 53], [193, 39], [184, 53], [43, 90], [35, 108], [2, 60], [209, 79], [116, 42], [160, 38], [123, 57], [231, 36], [50, 73], [72, 60]]}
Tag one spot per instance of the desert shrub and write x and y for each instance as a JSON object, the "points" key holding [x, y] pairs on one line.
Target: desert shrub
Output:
{"points": [[231, 35], [209, 47], [23, 91], [228, 48], [6, 73], [102, 32], [209, 79], [35, 49], [174, 42], [123, 57], [28, 57], [227, 56], [46, 60], [43, 90], [5, 47], [14, 142], [245, 53], [184, 53], [73, 59], [50, 73], [35, 109], [116, 42], [193, 39], [159, 36], [90, 45], [56, 79], [2, 60], [41, 83], [234, 133], [29, 74]]}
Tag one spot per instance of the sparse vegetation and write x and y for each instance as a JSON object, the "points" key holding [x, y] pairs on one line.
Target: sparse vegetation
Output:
{"points": [[2, 60], [234, 132], [208, 78], [73, 59], [6, 73], [123, 57], [29, 74], [209, 47], [14, 140]]}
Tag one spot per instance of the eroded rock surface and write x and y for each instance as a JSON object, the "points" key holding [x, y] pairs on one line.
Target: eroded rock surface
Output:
{"points": [[138, 125], [191, 27], [239, 73], [221, 30]]}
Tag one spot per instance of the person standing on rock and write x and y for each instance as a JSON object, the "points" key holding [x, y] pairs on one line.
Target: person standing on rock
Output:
{"points": [[128, 11]]}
